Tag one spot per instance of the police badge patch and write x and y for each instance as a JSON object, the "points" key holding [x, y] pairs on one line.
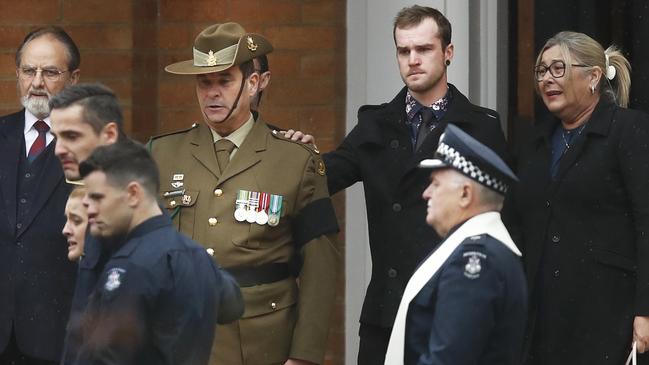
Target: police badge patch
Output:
{"points": [[473, 265], [114, 279]]}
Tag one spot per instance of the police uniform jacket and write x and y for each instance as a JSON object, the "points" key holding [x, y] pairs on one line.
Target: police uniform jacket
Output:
{"points": [[155, 301], [472, 311], [584, 236], [281, 319], [379, 152], [36, 277]]}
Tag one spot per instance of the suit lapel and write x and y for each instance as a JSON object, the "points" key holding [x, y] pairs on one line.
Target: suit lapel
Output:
{"points": [[11, 140], [50, 178], [248, 155], [203, 149]]}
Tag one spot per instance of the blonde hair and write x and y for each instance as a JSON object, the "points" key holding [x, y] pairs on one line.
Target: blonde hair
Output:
{"points": [[579, 48], [77, 192]]}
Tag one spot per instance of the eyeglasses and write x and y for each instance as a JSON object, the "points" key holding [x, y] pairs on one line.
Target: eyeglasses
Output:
{"points": [[557, 70], [49, 74]]}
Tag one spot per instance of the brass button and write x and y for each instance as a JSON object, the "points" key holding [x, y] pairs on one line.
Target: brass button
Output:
{"points": [[218, 192], [273, 305], [212, 221], [172, 203], [210, 251]]}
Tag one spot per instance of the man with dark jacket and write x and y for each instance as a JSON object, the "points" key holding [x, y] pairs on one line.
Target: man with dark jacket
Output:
{"points": [[383, 151], [157, 295], [36, 278]]}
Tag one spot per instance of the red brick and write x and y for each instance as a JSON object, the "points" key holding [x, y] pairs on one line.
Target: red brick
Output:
{"points": [[12, 36], [324, 12], [8, 93], [320, 121], [145, 37], [281, 117], [123, 88], [7, 64], [97, 11], [298, 92], [318, 65], [102, 37], [284, 64], [192, 10], [177, 119], [303, 37], [264, 11], [180, 92], [176, 36], [102, 64], [145, 10], [34, 11]]}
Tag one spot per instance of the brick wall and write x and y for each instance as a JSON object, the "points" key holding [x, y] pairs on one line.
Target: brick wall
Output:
{"points": [[126, 44]]}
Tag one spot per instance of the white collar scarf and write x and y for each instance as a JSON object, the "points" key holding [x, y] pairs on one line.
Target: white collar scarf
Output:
{"points": [[485, 223]]}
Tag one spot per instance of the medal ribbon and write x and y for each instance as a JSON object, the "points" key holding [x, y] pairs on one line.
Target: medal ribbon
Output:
{"points": [[263, 202]]}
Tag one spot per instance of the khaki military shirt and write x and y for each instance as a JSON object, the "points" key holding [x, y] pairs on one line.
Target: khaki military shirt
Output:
{"points": [[282, 319]]}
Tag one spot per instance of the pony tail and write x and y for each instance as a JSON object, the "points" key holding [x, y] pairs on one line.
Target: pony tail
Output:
{"points": [[620, 84]]}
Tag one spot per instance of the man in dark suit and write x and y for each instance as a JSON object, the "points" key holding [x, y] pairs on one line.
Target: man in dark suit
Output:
{"points": [[467, 301], [36, 279], [383, 151]]}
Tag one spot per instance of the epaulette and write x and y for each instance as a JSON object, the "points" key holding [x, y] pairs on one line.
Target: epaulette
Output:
{"points": [[313, 150], [477, 239], [307, 146], [194, 125]]}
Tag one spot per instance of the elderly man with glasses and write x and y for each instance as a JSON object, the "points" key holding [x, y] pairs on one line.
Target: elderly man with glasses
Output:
{"points": [[36, 279]]}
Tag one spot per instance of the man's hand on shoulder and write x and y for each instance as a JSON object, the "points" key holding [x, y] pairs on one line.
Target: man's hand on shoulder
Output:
{"points": [[299, 136]]}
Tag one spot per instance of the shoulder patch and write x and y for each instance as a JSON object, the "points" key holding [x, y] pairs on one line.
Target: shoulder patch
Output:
{"points": [[473, 263], [307, 146], [194, 125]]}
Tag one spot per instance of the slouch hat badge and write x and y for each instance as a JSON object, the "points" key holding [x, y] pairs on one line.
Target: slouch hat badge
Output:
{"points": [[251, 44]]}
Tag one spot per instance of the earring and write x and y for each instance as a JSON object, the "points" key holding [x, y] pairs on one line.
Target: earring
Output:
{"points": [[592, 89], [448, 62]]}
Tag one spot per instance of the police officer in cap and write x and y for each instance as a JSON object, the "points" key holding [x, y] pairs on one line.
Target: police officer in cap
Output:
{"points": [[256, 201], [467, 301]]}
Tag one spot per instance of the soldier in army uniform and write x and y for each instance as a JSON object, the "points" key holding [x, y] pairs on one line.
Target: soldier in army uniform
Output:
{"points": [[256, 201]]}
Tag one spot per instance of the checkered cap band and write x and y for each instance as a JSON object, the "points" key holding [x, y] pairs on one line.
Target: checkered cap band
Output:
{"points": [[453, 158]]}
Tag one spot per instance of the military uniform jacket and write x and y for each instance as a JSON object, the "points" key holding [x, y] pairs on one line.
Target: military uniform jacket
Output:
{"points": [[584, 238], [466, 303], [378, 152], [281, 320], [155, 302]]}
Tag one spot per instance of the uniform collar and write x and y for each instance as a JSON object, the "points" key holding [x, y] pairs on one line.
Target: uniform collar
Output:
{"points": [[237, 137], [131, 241]]}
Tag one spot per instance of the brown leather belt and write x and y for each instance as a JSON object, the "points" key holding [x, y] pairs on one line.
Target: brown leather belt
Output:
{"points": [[256, 275]]}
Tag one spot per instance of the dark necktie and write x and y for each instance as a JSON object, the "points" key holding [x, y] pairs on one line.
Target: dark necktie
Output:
{"points": [[424, 127], [40, 142], [223, 148]]}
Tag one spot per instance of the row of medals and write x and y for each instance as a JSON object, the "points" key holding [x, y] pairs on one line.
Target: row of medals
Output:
{"points": [[258, 207]]}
